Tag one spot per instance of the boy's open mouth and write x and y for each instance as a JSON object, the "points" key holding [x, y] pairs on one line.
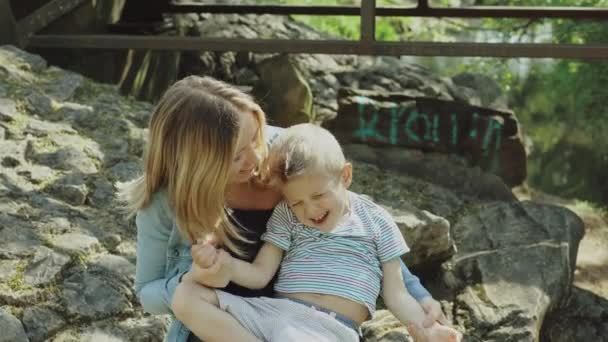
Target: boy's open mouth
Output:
{"points": [[320, 219]]}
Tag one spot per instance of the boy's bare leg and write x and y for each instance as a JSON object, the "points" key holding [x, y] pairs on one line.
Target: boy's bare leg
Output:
{"points": [[197, 307]]}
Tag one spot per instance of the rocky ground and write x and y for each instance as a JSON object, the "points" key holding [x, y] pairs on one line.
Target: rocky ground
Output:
{"points": [[503, 267]]}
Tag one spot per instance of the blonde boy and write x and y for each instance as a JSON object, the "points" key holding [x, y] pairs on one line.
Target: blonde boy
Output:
{"points": [[336, 251]]}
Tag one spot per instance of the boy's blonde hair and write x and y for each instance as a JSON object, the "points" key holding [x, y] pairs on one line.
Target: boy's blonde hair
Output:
{"points": [[192, 140], [304, 149]]}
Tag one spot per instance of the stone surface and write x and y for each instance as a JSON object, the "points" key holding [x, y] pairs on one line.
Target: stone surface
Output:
{"points": [[94, 296], [126, 171], [71, 188], [44, 266], [41, 322], [75, 242], [11, 328], [513, 267], [8, 110]]}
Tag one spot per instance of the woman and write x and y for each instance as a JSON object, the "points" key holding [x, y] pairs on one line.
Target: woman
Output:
{"points": [[206, 142]]}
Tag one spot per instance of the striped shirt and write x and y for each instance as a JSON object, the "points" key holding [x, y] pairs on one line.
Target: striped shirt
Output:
{"points": [[346, 262]]}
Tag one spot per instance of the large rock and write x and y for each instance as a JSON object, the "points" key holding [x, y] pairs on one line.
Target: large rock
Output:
{"points": [[486, 137], [585, 318], [448, 171], [94, 296], [285, 93], [514, 265], [11, 327]]}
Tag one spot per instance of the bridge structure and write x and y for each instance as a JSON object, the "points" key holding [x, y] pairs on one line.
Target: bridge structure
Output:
{"points": [[24, 30]]}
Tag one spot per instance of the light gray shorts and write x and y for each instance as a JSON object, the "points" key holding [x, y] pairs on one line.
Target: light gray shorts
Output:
{"points": [[281, 319]]}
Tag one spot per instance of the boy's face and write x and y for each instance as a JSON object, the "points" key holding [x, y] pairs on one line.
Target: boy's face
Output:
{"points": [[319, 200]]}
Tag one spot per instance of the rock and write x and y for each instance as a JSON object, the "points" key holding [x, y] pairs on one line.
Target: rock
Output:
{"points": [[70, 188], [39, 104], [8, 269], [93, 296], [489, 91], [25, 60], [514, 266], [40, 129], [286, 93], [472, 183], [2, 132], [488, 138], [16, 237], [384, 327], [12, 153], [126, 171], [146, 329], [395, 189], [11, 327], [8, 110], [62, 83], [111, 241], [75, 242], [67, 158], [114, 264], [582, 319], [41, 322], [426, 234], [81, 115], [102, 194], [45, 265]]}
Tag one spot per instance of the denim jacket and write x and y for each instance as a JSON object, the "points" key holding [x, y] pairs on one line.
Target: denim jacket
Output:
{"points": [[163, 256]]}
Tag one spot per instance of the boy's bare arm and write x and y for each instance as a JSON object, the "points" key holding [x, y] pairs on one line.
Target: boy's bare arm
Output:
{"points": [[397, 299], [256, 275]]}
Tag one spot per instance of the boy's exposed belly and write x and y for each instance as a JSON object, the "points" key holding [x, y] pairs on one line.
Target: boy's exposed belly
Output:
{"points": [[355, 311]]}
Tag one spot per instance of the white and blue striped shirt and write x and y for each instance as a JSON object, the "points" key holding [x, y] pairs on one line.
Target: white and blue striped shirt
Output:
{"points": [[346, 262]]}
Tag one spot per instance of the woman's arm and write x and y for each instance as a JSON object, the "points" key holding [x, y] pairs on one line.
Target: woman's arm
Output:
{"points": [[412, 283], [153, 289]]}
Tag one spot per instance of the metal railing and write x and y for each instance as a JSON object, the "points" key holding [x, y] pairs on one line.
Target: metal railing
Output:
{"points": [[366, 45]]}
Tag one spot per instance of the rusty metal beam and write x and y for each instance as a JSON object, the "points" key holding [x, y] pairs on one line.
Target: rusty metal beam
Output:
{"points": [[423, 10], [8, 25], [500, 50], [43, 16]]}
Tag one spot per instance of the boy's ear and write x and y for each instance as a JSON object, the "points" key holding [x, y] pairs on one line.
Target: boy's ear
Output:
{"points": [[347, 175]]}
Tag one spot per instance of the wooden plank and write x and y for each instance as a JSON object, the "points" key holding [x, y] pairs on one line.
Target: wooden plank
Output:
{"points": [[422, 10], [8, 26], [43, 16], [502, 50]]}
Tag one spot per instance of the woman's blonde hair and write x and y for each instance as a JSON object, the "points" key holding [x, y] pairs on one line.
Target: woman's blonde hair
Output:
{"points": [[192, 140]]}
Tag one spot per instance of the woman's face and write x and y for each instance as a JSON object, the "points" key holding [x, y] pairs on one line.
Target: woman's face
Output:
{"points": [[245, 160]]}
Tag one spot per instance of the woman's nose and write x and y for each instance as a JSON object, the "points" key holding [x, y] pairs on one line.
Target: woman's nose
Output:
{"points": [[252, 157]]}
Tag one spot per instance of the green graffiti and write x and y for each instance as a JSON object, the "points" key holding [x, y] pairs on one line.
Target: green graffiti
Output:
{"points": [[493, 125], [473, 133], [367, 128], [369, 119], [454, 130], [435, 128], [408, 132], [396, 113]]}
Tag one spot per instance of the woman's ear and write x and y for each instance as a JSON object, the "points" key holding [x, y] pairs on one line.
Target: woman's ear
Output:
{"points": [[347, 175]]}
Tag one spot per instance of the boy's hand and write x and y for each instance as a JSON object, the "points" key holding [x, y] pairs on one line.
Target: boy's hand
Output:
{"points": [[433, 311], [204, 254], [211, 266]]}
